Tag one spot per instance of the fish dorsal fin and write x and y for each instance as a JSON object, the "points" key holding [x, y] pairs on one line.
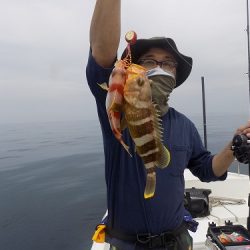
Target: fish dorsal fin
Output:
{"points": [[157, 122], [163, 158]]}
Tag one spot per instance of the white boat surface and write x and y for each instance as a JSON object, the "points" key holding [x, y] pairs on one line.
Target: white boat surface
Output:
{"points": [[235, 189]]}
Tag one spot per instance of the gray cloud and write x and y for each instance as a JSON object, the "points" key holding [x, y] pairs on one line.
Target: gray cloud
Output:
{"points": [[44, 48]]}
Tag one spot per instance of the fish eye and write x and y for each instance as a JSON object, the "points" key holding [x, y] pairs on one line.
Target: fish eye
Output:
{"points": [[140, 81]]}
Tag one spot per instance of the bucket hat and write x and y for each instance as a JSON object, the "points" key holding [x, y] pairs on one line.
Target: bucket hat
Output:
{"points": [[143, 45]]}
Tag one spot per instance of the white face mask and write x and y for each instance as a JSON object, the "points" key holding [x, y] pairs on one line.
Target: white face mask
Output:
{"points": [[163, 84], [159, 71]]}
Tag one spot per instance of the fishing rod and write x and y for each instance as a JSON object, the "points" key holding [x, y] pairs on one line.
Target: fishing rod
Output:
{"points": [[241, 143], [204, 112], [248, 50]]}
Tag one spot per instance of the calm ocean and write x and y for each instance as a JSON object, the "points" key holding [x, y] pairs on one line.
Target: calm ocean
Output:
{"points": [[52, 189]]}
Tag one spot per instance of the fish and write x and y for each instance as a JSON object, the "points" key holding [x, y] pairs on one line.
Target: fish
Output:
{"points": [[144, 124], [115, 100]]}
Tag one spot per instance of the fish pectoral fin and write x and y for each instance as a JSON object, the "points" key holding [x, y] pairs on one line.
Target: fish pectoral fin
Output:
{"points": [[115, 105], [126, 147], [150, 185], [163, 157], [150, 82], [104, 86]]}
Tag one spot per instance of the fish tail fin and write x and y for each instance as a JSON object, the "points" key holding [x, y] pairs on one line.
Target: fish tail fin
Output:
{"points": [[164, 157], [150, 185]]}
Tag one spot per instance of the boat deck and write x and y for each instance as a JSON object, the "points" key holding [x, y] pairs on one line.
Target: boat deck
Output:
{"points": [[235, 187]]}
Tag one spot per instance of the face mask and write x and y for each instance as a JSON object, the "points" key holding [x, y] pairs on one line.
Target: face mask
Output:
{"points": [[159, 71], [163, 84]]}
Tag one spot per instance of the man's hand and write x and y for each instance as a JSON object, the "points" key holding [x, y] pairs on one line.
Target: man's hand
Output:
{"points": [[245, 129], [223, 160]]}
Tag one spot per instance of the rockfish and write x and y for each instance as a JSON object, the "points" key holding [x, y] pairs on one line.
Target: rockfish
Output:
{"points": [[115, 100], [144, 124]]}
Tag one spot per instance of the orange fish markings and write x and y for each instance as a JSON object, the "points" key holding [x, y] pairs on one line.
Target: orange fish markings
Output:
{"points": [[115, 100]]}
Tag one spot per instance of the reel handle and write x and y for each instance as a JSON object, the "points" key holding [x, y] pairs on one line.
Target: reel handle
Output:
{"points": [[241, 148]]}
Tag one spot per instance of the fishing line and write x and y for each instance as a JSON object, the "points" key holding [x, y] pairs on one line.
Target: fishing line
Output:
{"points": [[143, 201], [178, 53], [221, 201]]}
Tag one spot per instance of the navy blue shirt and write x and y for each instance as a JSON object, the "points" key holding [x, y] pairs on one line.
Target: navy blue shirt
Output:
{"points": [[128, 211]]}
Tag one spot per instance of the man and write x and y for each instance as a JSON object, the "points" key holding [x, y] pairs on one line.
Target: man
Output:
{"points": [[134, 222]]}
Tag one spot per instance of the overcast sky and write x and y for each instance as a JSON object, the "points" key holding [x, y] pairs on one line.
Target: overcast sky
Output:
{"points": [[44, 48]]}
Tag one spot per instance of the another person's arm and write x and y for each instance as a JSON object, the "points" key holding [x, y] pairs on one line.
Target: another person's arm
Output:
{"points": [[105, 31]]}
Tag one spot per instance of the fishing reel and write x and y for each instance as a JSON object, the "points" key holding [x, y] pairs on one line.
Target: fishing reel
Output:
{"points": [[241, 148]]}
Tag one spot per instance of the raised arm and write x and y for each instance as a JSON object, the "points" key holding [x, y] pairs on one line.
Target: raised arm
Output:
{"points": [[105, 31]]}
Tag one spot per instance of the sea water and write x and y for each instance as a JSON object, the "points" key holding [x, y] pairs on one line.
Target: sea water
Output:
{"points": [[52, 188]]}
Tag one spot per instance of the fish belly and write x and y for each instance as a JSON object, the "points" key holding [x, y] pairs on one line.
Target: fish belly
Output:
{"points": [[141, 127]]}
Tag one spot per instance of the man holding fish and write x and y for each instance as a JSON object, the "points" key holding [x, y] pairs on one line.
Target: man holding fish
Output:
{"points": [[143, 137]]}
